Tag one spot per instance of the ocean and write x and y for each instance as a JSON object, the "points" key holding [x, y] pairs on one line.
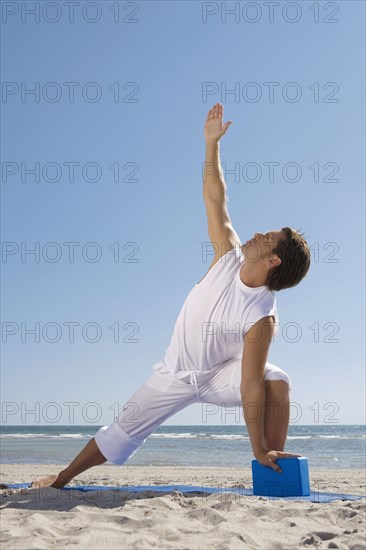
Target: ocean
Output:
{"points": [[325, 446]]}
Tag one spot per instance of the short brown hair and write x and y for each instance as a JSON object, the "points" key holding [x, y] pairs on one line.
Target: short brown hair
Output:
{"points": [[295, 261]]}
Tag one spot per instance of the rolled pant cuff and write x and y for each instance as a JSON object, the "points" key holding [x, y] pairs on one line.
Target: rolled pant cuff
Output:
{"points": [[116, 444]]}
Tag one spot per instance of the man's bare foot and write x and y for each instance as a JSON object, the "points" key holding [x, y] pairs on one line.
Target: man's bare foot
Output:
{"points": [[48, 481]]}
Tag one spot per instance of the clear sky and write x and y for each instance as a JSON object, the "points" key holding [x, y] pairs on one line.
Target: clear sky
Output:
{"points": [[115, 133]]}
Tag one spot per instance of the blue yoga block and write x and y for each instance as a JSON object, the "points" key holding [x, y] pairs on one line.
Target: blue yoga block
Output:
{"points": [[293, 482]]}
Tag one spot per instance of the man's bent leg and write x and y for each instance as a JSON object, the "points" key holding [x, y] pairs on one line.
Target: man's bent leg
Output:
{"points": [[277, 406], [276, 414], [223, 388]]}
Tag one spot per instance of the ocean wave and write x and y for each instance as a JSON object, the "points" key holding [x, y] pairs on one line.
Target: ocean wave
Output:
{"points": [[45, 436], [356, 436], [240, 437], [174, 436], [300, 437], [198, 436], [230, 436]]}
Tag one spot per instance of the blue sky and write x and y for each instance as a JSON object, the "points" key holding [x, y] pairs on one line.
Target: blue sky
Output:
{"points": [[154, 214]]}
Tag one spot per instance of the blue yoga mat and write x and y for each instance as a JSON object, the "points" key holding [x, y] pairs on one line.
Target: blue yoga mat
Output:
{"points": [[315, 496]]}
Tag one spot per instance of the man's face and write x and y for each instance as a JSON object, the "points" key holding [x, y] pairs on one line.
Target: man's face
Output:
{"points": [[262, 244]]}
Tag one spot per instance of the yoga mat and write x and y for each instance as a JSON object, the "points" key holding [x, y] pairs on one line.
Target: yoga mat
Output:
{"points": [[315, 496]]}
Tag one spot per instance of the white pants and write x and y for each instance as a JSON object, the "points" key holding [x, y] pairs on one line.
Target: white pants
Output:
{"points": [[163, 395]]}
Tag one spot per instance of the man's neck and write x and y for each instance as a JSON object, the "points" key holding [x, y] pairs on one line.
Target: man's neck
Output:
{"points": [[251, 276]]}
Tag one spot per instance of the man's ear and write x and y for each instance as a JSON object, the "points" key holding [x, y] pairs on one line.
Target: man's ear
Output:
{"points": [[273, 261]]}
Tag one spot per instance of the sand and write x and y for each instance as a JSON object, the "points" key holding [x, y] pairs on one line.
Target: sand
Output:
{"points": [[51, 518]]}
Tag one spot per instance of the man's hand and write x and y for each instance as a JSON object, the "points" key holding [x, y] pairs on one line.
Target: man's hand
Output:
{"points": [[268, 458], [214, 128]]}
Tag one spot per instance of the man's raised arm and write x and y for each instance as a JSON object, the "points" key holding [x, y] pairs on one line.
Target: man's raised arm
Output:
{"points": [[221, 231], [213, 180]]}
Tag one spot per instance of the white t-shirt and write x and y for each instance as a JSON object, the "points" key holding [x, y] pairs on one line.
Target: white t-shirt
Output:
{"points": [[214, 318]]}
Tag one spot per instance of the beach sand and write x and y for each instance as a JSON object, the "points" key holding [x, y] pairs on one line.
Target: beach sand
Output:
{"points": [[51, 518]]}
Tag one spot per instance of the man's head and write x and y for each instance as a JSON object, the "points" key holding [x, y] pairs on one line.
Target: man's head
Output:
{"points": [[283, 254]]}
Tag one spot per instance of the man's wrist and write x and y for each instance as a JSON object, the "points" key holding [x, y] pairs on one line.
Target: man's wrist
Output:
{"points": [[211, 143]]}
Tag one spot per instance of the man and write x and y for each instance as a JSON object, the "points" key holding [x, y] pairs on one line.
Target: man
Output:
{"points": [[219, 348]]}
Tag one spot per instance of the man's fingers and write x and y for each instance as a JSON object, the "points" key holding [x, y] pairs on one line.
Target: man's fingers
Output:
{"points": [[273, 465], [211, 113]]}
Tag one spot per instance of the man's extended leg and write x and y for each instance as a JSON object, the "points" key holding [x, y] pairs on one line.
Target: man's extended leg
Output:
{"points": [[156, 400]]}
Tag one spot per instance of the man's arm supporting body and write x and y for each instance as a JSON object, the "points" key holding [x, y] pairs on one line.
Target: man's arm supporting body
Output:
{"points": [[256, 346]]}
